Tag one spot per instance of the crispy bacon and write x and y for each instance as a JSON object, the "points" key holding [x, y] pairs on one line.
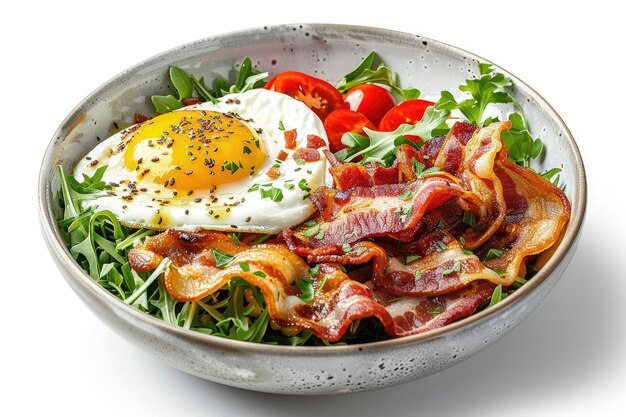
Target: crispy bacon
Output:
{"points": [[394, 210], [536, 213], [413, 315], [307, 154], [315, 142], [193, 275], [416, 275], [351, 175], [290, 138], [438, 264], [442, 266], [478, 176]]}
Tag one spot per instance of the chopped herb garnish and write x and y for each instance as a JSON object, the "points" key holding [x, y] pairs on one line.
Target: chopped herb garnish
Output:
{"points": [[246, 150], [221, 258], [418, 275], [313, 271], [411, 258], [455, 268], [470, 220], [419, 170], [436, 310], [311, 231], [346, 248], [232, 166], [254, 187], [494, 253], [289, 186], [405, 212], [320, 235], [281, 126], [273, 193], [441, 224], [299, 161], [406, 194], [260, 274], [465, 251], [235, 238], [442, 246], [244, 266]]}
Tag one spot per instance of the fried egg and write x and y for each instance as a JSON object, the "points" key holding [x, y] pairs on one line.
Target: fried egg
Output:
{"points": [[222, 166]]}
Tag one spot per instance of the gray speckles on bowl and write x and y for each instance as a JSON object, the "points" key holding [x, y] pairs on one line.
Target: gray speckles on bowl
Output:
{"points": [[328, 51]]}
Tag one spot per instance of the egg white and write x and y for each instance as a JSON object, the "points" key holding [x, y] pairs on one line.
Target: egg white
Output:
{"points": [[237, 208]]}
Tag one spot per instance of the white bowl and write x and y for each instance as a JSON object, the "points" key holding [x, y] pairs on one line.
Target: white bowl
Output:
{"points": [[328, 51]]}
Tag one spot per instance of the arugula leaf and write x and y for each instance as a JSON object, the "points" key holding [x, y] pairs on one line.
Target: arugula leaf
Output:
{"points": [[379, 146], [520, 144], [485, 90], [306, 287], [552, 175], [497, 296], [492, 88], [366, 72], [185, 84], [221, 258]]}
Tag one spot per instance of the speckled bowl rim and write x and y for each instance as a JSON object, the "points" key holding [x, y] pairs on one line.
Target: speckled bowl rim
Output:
{"points": [[56, 244]]}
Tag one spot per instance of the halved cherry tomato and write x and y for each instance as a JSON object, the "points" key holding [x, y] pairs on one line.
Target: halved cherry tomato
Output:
{"points": [[342, 121], [370, 100], [410, 111], [318, 95]]}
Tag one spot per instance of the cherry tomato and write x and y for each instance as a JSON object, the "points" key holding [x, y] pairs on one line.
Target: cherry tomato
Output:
{"points": [[318, 95], [342, 121], [370, 100], [410, 111]]}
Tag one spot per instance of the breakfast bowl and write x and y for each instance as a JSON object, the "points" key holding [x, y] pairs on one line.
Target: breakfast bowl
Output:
{"points": [[328, 52]]}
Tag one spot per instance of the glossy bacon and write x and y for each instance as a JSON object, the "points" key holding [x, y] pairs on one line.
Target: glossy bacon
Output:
{"points": [[439, 265], [442, 267], [394, 210], [478, 176], [351, 175], [536, 213], [193, 275], [413, 315]]}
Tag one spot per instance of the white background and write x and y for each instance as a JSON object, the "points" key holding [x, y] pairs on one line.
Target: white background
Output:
{"points": [[566, 359]]}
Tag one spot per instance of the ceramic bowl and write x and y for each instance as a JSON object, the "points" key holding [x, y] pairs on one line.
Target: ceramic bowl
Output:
{"points": [[328, 51]]}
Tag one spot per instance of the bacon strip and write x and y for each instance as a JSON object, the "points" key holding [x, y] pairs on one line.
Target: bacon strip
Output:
{"points": [[478, 176], [440, 266], [413, 315], [536, 213], [272, 268], [394, 209]]}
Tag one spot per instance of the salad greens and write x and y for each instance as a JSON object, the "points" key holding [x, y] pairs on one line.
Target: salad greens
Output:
{"points": [[100, 243], [185, 84]]}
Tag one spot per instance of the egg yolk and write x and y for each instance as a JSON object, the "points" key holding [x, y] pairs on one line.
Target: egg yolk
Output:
{"points": [[193, 150]]}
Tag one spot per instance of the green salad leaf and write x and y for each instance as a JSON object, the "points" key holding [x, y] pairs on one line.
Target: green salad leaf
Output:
{"points": [[369, 72], [185, 84], [380, 146]]}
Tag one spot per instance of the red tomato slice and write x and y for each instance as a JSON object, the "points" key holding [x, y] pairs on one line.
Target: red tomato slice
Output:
{"points": [[410, 111], [318, 95], [342, 121], [370, 100]]}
